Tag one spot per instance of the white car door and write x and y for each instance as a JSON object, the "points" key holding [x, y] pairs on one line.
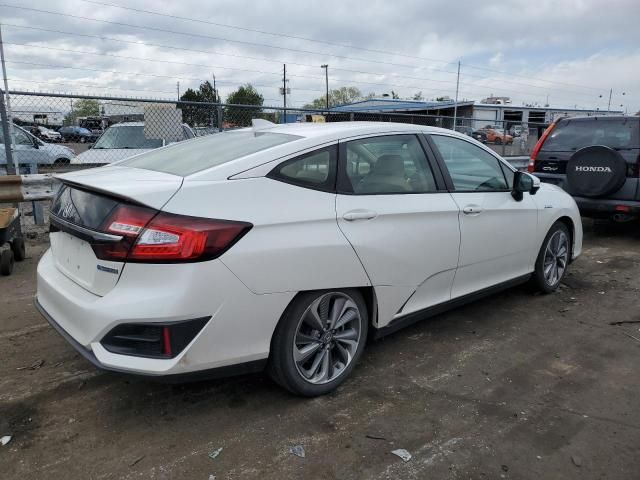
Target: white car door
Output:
{"points": [[498, 232], [393, 207]]}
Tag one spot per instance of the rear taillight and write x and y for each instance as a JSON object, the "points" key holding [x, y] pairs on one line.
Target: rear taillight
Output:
{"points": [[531, 167], [160, 237]]}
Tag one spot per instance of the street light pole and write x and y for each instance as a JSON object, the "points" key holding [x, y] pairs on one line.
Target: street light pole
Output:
{"points": [[455, 105], [326, 83]]}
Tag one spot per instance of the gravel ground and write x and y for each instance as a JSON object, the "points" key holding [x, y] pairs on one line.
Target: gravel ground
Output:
{"points": [[514, 386]]}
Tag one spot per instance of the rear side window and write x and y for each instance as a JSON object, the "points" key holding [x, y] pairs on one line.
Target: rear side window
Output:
{"points": [[386, 165], [316, 170], [186, 158], [571, 135]]}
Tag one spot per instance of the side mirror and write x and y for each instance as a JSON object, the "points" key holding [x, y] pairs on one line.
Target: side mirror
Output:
{"points": [[524, 183]]}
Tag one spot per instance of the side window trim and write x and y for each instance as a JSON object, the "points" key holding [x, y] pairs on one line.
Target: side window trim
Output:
{"points": [[343, 181], [445, 171], [328, 185]]}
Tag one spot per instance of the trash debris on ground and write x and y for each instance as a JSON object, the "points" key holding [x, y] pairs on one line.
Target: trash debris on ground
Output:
{"points": [[375, 437], [505, 468], [34, 366], [403, 454], [212, 477], [576, 460], [297, 450], [136, 461], [6, 439], [564, 309], [623, 322], [213, 454], [631, 336]]}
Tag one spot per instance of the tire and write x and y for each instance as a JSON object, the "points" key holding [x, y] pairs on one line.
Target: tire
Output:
{"points": [[547, 258], [327, 360], [61, 161], [18, 248], [6, 262], [83, 140], [596, 171], [497, 141]]}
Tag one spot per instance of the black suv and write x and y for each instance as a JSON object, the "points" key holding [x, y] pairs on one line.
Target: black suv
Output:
{"points": [[596, 160]]}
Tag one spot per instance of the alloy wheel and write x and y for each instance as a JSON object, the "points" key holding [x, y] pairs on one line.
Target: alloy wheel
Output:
{"points": [[556, 257], [327, 338]]}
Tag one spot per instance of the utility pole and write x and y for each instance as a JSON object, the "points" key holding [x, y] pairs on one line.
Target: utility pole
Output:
{"points": [[455, 105], [609, 105], [8, 114], [326, 82], [284, 91], [178, 89], [215, 92]]}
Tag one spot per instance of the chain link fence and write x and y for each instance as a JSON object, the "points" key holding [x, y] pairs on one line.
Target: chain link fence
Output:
{"points": [[60, 132]]}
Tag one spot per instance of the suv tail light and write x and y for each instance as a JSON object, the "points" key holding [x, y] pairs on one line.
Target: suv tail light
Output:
{"points": [[161, 237], [531, 167]]}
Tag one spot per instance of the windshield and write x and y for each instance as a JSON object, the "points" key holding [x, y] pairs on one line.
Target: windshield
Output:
{"points": [[193, 156], [126, 137], [571, 135]]}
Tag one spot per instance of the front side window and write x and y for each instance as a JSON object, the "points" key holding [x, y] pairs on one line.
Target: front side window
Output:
{"points": [[126, 137], [21, 138], [470, 167], [312, 170], [387, 164]]}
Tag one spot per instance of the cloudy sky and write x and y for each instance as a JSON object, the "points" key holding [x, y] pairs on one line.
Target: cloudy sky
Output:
{"points": [[571, 51]]}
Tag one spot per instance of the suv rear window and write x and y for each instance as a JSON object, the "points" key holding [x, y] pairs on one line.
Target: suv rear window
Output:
{"points": [[571, 135], [192, 156]]}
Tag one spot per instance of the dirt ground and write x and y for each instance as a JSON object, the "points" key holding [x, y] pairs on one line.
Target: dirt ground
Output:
{"points": [[514, 386]]}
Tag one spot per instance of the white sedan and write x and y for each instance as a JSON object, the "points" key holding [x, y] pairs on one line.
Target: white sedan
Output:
{"points": [[288, 246]]}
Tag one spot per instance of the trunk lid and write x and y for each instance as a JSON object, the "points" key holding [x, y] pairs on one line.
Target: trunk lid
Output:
{"points": [[80, 209]]}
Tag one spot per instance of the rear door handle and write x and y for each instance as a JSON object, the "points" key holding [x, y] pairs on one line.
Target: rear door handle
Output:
{"points": [[472, 210], [359, 215]]}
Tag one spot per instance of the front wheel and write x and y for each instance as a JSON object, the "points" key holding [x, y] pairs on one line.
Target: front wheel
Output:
{"points": [[553, 258], [318, 341], [6, 262]]}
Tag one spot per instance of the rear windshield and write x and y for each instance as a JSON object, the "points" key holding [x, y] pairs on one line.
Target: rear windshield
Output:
{"points": [[201, 153], [571, 135]]}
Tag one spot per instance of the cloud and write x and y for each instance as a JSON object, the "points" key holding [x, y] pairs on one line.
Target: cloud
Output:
{"points": [[568, 50]]}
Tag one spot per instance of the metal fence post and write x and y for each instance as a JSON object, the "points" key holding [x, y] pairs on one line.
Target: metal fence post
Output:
{"points": [[36, 207], [7, 136], [219, 108], [351, 116]]}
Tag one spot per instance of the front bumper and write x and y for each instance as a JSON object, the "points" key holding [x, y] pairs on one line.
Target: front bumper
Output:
{"points": [[239, 331]]}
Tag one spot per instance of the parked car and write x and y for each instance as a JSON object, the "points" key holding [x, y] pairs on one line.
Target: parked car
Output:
{"points": [[29, 149], [480, 135], [202, 131], [77, 134], [464, 130], [288, 246], [596, 160], [516, 130], [124, 140], [498, 137], [47, 134]]}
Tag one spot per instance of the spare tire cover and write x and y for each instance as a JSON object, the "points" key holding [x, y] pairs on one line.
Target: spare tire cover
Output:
{"points": [[596, 171]]}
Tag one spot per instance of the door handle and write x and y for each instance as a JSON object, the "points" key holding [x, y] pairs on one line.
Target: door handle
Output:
{"points": [[359, 215], [472, 210]]}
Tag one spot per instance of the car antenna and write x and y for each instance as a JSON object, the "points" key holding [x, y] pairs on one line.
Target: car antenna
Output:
{"points": [[259, 124]]}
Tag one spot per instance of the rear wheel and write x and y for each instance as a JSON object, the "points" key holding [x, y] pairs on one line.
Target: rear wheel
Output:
{"points": [[553, 258], [18, 248], [497, 141], [318, 341], [6, 262]]}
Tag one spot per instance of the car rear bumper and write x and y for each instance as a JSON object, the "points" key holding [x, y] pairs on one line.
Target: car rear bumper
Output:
{"points": [[595, 207], [239, 331]]}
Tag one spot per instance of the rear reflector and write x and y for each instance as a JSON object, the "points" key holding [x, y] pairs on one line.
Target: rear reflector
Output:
{"points": [[161, 237], [531, 167], [151, 339], [623, 208]]}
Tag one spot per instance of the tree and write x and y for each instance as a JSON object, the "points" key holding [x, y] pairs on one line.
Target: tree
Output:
{"points": [[84, 107], [338, 96], [418, 96], [244, 95], [200, 114], [394, 95]]}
